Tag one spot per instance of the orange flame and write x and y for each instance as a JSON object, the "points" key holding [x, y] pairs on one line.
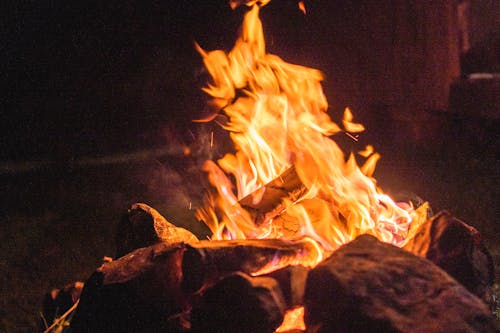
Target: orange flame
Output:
{"points": [[293, 320], [277, 119]]}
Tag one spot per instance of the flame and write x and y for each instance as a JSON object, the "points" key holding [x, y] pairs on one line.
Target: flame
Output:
{"points": [[277, 120], [293, 320]]}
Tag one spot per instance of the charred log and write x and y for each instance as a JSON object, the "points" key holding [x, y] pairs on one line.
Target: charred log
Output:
{"points": [[205, 262], [239, 303], [370, 286], [458, 249], [139, 292]]}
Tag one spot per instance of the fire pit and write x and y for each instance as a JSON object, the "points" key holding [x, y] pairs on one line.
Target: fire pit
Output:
{"points": [[308, 241]]}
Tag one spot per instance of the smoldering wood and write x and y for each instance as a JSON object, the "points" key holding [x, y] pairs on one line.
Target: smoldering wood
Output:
{"points": [[457, 248], [139, 292], [370, 286], [205, 262], [239, 303]]}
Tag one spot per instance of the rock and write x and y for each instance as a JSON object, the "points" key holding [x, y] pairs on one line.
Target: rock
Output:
{"points": [[239, 303], [370, 286], [458, 249], [139, 292], [143, 226]]}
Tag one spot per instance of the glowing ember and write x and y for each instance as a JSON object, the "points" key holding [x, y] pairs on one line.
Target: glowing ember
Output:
{"points": [[277, 119]]}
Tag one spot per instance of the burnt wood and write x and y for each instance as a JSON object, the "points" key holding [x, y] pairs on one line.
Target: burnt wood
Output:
{"points": [[370, 286]]}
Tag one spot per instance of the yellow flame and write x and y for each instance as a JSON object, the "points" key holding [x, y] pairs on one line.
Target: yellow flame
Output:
{"points": [[277, 119]]}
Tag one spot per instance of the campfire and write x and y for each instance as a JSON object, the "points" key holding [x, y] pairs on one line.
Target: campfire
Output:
{"points": [[302, 236]]}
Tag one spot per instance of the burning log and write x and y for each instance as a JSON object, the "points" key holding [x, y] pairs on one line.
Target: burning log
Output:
{"points": [[239, 303], [269, 205], [205, 262], [458, 249], [370, 286], [142, 226], [139, 292]]}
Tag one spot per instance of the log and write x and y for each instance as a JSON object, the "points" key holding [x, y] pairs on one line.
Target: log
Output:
{"points": [[205, 262], [143, 226], [370, 286], [266, 203], [139, 292], [458, 249], [239, 303]]}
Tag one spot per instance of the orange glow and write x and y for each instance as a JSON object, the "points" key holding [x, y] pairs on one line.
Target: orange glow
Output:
{"points": [[277, 120], [294, 320]]}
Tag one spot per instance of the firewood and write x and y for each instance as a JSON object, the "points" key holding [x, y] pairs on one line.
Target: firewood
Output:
{"points": [[143, 225], [239, 303], [458, 249], [205, 262], [266, 203], [370, 286]]}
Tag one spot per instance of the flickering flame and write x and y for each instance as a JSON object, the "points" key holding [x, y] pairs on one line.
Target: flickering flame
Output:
{"points": [[294, 319], [277, 119]]}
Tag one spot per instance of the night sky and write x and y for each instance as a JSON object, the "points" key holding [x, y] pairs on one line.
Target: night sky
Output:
{"points": [[96, 77]]}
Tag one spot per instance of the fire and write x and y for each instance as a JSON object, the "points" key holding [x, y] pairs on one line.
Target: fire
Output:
{"points": [[294, 319], [277, 118]]}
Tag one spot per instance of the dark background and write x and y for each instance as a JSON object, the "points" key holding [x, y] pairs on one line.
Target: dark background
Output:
{"points": [[97, 101]]}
